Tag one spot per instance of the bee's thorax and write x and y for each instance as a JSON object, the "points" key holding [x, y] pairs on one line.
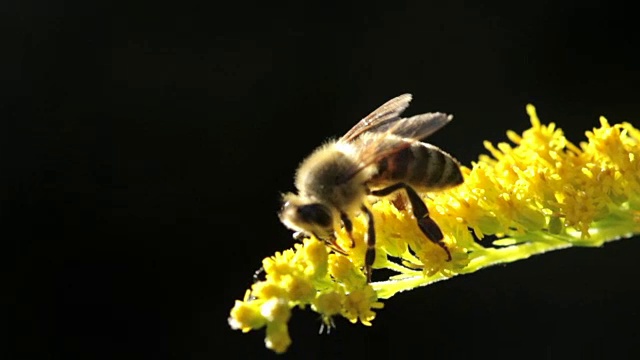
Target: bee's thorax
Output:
{"points": [[333, 175]]}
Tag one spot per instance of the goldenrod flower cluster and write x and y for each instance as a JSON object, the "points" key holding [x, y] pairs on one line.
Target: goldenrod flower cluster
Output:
{"points": [[538, 194]]}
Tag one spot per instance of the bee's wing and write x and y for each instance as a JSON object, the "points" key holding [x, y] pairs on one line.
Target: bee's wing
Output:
{"points": [[377, 144], [410, 129], [388, 113], [416, 127]]}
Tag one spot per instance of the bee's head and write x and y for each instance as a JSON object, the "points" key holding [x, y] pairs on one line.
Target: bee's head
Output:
{"points": [[306, 215]]}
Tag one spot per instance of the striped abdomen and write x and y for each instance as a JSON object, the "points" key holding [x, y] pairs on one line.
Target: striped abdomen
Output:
{"points": [[422, 166]]}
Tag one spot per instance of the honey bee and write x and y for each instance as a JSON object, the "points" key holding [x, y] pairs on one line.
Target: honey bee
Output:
{"points": [[380, 155]]}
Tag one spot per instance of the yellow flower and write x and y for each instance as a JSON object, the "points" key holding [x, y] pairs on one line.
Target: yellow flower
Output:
{"points": [[246, 317], [277, 338], [358, 305], [538, 194], [328, 303]]}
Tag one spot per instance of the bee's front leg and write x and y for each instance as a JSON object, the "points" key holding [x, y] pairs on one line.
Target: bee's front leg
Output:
{"points": [[348, 226], [370, 255]]}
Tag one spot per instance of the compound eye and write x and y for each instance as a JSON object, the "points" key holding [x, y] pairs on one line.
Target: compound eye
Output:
{"points": [[315, 214]]}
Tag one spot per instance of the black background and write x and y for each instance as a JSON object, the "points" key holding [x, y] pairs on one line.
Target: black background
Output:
{"points": [[145, 147]]}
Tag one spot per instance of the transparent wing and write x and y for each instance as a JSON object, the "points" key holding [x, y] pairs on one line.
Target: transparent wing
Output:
{"points": [[416, 127], [385, 114], [382, 138]]}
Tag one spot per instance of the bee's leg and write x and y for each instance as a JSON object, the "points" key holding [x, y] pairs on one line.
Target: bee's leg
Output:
{"points": [[370, 255], [420, 211], [348, 226]]}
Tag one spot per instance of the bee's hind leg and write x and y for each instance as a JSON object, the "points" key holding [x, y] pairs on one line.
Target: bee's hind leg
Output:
{"points": [[429, 227]]}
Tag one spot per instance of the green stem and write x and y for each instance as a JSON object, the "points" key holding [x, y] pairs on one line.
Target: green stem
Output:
{"points": [[617, 225]]}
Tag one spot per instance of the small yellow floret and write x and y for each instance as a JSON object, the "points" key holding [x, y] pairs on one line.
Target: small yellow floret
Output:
{"points": [[246, 317], [358, 305], [328, 303], [277, 338]]}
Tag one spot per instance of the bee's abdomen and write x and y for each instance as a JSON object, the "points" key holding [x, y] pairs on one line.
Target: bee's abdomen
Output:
{"points": [[422, 166]]}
